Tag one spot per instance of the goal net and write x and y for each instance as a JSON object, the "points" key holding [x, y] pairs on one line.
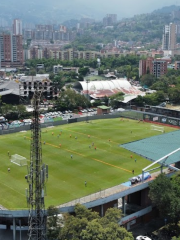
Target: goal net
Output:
{"points": [[19, 160], [157, 128]]}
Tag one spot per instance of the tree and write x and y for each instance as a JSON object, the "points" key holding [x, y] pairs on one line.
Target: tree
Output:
{"points": [[83, 71], [139, 101], [32, 72], [115, 99], [147, 80], [21, 109], [71, 100], [6, 108], [54, 223], [174, 94], [88, 225], [164, 193], [154, 98]]}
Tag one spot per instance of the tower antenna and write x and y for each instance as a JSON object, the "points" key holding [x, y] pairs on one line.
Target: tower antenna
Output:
{"points": [[37, 170], [37, 177]]}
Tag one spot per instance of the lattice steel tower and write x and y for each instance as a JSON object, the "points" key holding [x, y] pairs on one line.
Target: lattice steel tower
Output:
{"points": [[37, 176]]}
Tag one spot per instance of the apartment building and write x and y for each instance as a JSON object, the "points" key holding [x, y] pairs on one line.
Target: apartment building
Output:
{"points": [[11, 50], [27, 34], [41, 27], [110, 19], [17, 27], [156, 67], [177, 65], [169, 37], [58, 68], [47, 32]]}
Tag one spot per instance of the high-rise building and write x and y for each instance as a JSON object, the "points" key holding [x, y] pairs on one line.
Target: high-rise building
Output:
{"points": [[41, 27], [156, 67], [169, 37], [113, 17], [17, 27], [110, 19], [11, 50]]}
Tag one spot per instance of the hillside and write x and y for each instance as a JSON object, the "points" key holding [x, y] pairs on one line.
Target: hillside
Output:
{"points": [[55, 12]]}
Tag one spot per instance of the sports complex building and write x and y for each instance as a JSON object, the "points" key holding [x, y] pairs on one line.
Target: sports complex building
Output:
{"points": [[102, 88], [132, 199]]}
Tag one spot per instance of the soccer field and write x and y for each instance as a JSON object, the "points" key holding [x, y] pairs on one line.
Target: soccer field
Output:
{"points": [[106, 166]]}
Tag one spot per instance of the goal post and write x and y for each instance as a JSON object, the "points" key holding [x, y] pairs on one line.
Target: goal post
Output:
{"points": [[157, 128], [18, 160]]}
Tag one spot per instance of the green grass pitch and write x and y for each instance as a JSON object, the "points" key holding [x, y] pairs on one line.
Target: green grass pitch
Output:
{"points": [[107, 166]]}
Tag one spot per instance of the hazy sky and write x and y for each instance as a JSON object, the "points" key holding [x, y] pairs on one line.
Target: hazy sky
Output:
{"points": [[123, 8], [126, 7], [96, 9]]}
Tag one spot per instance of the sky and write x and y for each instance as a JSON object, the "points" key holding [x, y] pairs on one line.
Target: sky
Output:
{"points": [[97, 9], [124, 8], [127, 8]]}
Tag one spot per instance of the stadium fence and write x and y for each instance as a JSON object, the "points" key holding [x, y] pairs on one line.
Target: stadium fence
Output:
{"points": [[132, 114]]}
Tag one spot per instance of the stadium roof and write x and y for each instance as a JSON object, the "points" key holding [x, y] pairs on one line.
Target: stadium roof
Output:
{"points": [[99, 89], [157, 147], [10, 87]]}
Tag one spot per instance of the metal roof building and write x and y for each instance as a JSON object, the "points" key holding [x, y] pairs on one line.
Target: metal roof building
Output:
{"points": [[102, 88]]}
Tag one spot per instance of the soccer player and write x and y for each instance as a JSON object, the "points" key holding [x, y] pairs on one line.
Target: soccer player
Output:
{"points": [[9, 169], [135, 160], [95, 148], [8, 153], [85, 183], [52, 133], [76, 138], [71, 156], [133, 171], [44, 142], [131, 156], [70, 135]]}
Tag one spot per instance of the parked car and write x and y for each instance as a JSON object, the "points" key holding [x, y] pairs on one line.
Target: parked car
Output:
{"points": [[142, 238], [27, 121], [140, 177]]}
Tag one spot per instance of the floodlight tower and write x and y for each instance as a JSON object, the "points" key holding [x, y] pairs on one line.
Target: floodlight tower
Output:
{"points": [[37, 175]]}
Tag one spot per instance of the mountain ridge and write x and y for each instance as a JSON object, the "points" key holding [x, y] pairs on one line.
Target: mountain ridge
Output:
{"points": [[53, 12]]}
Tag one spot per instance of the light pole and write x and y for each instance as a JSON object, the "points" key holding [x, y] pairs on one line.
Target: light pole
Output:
{"points": [[20, 229], [87, 117]]}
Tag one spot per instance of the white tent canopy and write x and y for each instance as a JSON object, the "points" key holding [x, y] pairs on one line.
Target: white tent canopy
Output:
{"points": [[99, 89]]}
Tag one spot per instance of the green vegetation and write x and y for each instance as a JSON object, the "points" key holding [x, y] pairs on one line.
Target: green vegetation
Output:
{"points": [[164, 193], [105, 167], [124, 65], [71, 100], [88, 225], [167, 88]]}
